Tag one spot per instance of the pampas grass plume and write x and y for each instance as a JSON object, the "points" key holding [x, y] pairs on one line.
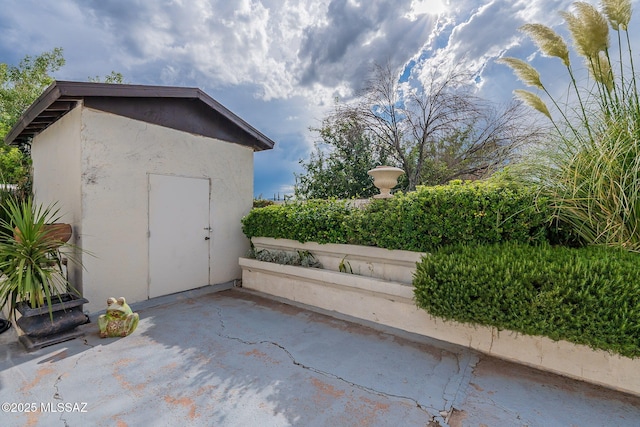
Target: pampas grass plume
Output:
{"points": [[524, 71], [533, 101], [618, 12], [589, 29], [549, 42]]}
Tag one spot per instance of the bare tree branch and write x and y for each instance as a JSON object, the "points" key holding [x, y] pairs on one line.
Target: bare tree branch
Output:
{"points": [[440, 131]]}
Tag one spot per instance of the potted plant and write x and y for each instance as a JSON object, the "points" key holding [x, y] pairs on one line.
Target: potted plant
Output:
{"points": [[33, 283]]}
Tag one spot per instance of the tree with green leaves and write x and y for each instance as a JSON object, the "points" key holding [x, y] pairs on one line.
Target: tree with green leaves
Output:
{"points": [[20, 86], [113, 78], [438, 130], [436, 133], [338, 166]]}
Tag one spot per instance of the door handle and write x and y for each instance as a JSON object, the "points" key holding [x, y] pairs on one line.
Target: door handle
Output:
{"points": [[207, 238]]}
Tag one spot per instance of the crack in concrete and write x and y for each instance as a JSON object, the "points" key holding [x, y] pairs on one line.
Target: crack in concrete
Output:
{"points": [[423, 408], [514, 414], [56, 395], [85, 342], [448, 407], [462, 379], [452, 379]]}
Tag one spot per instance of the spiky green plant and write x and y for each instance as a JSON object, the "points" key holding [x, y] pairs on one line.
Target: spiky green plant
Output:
{"points": [[30, 257], [592, 171]]}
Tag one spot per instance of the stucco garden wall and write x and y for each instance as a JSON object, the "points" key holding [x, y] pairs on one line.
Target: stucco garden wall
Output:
{"points": [[392, 265]]}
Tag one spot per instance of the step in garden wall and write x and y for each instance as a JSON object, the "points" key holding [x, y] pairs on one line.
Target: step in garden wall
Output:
{"points": [[381, 263]]}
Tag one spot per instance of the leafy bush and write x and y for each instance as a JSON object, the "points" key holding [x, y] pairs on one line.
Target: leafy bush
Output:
{"points": [[322, 221], [588, 295], [478, 212], [431, 217]]}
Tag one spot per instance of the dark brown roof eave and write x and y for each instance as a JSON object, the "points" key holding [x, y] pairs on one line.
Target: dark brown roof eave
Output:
{"points": [[62, 96], [23, 130]]}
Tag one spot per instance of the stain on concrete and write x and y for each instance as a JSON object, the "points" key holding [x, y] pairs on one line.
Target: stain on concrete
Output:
{"points": [[370, 411], [456, 418], [33, 418], [262, 356], [170, 366], [40, 374], [476, 386], [184, 402], [121, 365], [324, 390], [223, 371]]}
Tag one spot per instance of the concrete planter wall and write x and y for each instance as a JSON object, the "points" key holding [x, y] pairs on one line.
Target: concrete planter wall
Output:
{"points": [[395, 266], [383, 294]]}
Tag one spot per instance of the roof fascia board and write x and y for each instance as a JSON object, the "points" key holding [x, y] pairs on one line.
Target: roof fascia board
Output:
{"points": [[76, 91], [48, 97], [238, 121], [89, 89]]}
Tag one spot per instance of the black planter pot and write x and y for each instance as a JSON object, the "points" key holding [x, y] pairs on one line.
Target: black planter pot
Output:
{"points": [[41, 330], [4, 325]]}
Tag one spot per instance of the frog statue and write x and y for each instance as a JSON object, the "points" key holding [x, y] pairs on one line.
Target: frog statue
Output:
{"points": [[119, 321]]}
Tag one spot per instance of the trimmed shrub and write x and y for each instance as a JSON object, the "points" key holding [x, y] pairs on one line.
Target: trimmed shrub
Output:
{"points": [[587, 296], [431, 217], [472, 212], [322, 221]]}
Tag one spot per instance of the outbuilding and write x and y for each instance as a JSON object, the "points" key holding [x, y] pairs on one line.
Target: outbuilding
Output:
{"points": [[153, 179]]}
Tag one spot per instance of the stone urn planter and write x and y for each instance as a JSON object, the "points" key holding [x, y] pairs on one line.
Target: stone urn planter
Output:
{"points": [[40, 328], [385, 178]]}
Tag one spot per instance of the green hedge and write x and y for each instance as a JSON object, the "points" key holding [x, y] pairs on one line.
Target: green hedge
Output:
{"points": [[322, 221], [588, 295], [423, 220]]}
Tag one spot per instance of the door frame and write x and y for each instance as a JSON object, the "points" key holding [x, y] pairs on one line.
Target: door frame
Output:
{"points": [[149, 213]]}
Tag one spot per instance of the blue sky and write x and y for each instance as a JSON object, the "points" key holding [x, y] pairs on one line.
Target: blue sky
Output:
{"points": [[280, 64]]}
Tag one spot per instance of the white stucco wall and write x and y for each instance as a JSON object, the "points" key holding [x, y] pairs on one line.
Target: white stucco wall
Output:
{"points": [[110, 180], [56, 174]]}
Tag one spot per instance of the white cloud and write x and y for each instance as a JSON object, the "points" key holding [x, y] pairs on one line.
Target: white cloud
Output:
{"points": [[421, 7], [279, 63], [476, 33]]}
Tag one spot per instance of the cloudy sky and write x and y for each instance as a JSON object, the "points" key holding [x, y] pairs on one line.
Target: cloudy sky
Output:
{"points": [[279, 64]]}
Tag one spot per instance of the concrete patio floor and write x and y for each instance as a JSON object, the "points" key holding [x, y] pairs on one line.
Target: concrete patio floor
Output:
{"points": [[234, 358]]}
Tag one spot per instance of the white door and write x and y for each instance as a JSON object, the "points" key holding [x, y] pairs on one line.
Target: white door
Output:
{"points": [[179, 233]]}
